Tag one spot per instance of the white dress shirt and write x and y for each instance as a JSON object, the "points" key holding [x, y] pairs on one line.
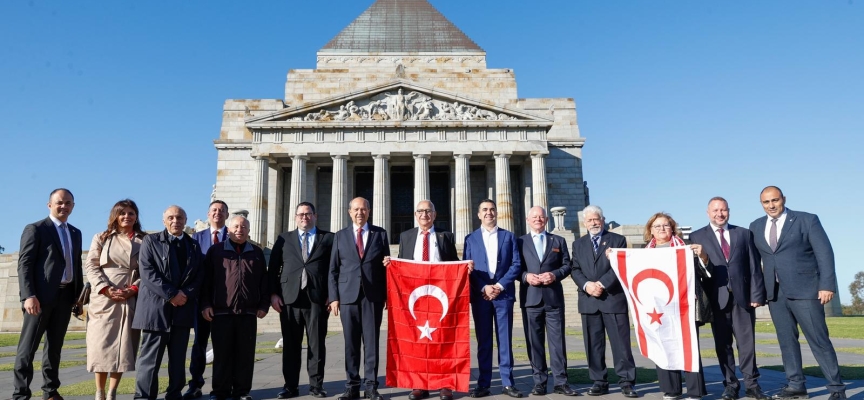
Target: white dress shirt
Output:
{"points": [[62, 234], [490, 241], [365, 234], [725, 234], [780, 221], [434, 254]]}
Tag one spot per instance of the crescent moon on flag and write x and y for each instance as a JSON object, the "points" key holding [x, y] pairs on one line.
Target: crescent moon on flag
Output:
{"points": [[428, 290], [653, 274]]}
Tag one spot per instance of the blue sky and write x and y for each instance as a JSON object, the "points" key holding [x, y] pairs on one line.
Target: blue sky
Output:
{"points": [[679, 101]]}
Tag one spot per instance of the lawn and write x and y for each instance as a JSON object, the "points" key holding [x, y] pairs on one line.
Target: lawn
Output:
{"points": [[580, 375], [571, 355], [37, 365], [88, 388], [852, 372], [848, 327]]}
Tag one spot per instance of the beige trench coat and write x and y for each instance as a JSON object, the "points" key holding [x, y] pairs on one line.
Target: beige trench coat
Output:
{"points": [[112, 344]]}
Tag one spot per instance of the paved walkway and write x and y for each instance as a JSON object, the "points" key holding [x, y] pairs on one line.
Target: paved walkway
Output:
{"points": [[268, 376]]}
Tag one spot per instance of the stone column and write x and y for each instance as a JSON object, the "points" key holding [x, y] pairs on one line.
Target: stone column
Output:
{"points": [[490, 179], [381, 192], [274, 204], [258, 211], [503, 195], [339, 197], [298, 185], [462, 210], [421, 179], [538, 182]]}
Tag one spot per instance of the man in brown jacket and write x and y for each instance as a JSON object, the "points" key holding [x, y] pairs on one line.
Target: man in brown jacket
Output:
{"points": [[235, 292]]}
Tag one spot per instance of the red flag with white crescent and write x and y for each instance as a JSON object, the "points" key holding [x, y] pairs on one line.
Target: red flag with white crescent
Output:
{"points": [[659, 284], [428, 330]]}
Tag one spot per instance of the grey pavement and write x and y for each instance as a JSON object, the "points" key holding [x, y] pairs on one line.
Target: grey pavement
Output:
{"points": [[268, 373]]}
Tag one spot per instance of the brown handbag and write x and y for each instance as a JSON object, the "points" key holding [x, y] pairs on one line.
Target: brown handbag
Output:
{"points": [[83, 299]]}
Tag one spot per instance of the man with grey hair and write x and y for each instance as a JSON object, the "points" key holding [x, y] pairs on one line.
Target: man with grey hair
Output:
{"points": [[603, 305], [170, 266]]}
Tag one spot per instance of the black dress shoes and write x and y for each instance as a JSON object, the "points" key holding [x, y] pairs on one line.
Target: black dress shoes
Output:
{"points": [[243, 397], [598, 390], [349, 394], [372, 394], [478, 392], [446, 394], [787, 394], [539, 390], [756, 393], [288, 394], [511, 391], [192, 393], [418, 394], [730, 393], [315, 391], [566, 390], [628, 391]]}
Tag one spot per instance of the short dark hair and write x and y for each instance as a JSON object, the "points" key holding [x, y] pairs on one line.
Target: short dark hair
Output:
{"points": [[59, 189], [487, 201], [760, 193], [307, 204], [218, 202], [718, 198]]}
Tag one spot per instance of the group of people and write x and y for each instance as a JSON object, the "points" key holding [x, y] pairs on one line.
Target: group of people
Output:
{"points": [[153, 289]]}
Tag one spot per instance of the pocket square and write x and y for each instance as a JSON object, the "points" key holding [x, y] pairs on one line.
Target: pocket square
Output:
{"points": [[556, 250]]}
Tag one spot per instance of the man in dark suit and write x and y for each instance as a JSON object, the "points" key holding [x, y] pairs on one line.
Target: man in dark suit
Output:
{"points": [[603, 305], [545, 262], [798, 260], [49, 279], [425, 243], [298, 271], [738, 289], [358, 291], [217, 233], [493, 292], [170, 263]]}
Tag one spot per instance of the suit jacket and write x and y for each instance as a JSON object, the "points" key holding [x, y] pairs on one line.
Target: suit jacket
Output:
{"points": [[446, 244], [803, 260], [555, 259], [41, 262], [742, 272], [287, 265], [348, 272], [205, 238], [509, 264], [161, 280], [590, 267]]}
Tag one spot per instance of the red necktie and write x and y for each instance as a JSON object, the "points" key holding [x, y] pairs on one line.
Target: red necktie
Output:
{"points": [[724, 245], [426, 246], [360, 242], [215, 237]]}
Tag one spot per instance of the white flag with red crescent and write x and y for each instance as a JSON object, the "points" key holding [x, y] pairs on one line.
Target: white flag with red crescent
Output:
{"points": [[659, 284]]}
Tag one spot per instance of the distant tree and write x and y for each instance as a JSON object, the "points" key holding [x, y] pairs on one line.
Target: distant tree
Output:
{"points": [[856, 288], [2, 249]]}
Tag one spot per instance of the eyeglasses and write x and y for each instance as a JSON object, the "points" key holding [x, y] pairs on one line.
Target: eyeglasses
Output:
{"points": [[661, 227], [427, 212], [304, 215]]}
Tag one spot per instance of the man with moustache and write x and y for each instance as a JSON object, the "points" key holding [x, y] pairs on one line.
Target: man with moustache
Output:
{"points": [[495, 253], [49, 279], [171, 277], [798, 261], [299, 266], [545, 262], [358, 292], [738, 289], [603, 305], [235, 293], [217, 215]]}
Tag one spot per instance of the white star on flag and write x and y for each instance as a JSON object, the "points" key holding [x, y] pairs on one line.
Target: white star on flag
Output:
{"points": [[426, 331]]}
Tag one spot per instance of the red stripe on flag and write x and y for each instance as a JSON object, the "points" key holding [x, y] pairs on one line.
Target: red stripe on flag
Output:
{"points": [[684, 308], [640, 333]]}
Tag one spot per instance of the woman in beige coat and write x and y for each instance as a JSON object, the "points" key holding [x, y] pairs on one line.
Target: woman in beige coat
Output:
{"points": [[112, 269]]}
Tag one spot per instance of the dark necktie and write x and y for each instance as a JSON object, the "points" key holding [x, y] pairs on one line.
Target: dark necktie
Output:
{"points": [[215, 237], [360, 242], [425, 246], [596, 242], [724, 245], [67, 254], [305, 248], [772, 235]]}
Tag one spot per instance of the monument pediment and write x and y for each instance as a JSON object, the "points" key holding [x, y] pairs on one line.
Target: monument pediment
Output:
{"points": [[398, 102]]}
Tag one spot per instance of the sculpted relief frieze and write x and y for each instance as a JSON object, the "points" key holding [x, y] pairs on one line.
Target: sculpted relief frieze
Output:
{"points": [[409, 60], [413, 106]]}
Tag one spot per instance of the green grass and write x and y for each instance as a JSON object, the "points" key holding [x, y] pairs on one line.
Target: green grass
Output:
{"points": [[852, 372], [74, 346], [8, 354], [11, 339], [572, 331], [580, 376], [37, 365], [853, 350], [712, 354], [267, 350], [571, 355], [848, 327], [88, 387]]}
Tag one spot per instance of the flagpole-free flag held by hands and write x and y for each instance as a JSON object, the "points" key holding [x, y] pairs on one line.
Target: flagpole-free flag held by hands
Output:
{"points": [[428, 331], [659, 284]]}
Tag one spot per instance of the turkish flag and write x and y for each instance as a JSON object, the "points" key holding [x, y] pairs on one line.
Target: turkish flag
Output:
{"points": [[659, 284], [428, 331]]}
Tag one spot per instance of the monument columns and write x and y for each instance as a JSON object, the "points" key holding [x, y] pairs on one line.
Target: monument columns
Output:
{"points": [[381, 192], [339, 194], [463, 208], [258, 211], [274, 204], [503, 195], [421, 179], [538, 182], [298, 185]]}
